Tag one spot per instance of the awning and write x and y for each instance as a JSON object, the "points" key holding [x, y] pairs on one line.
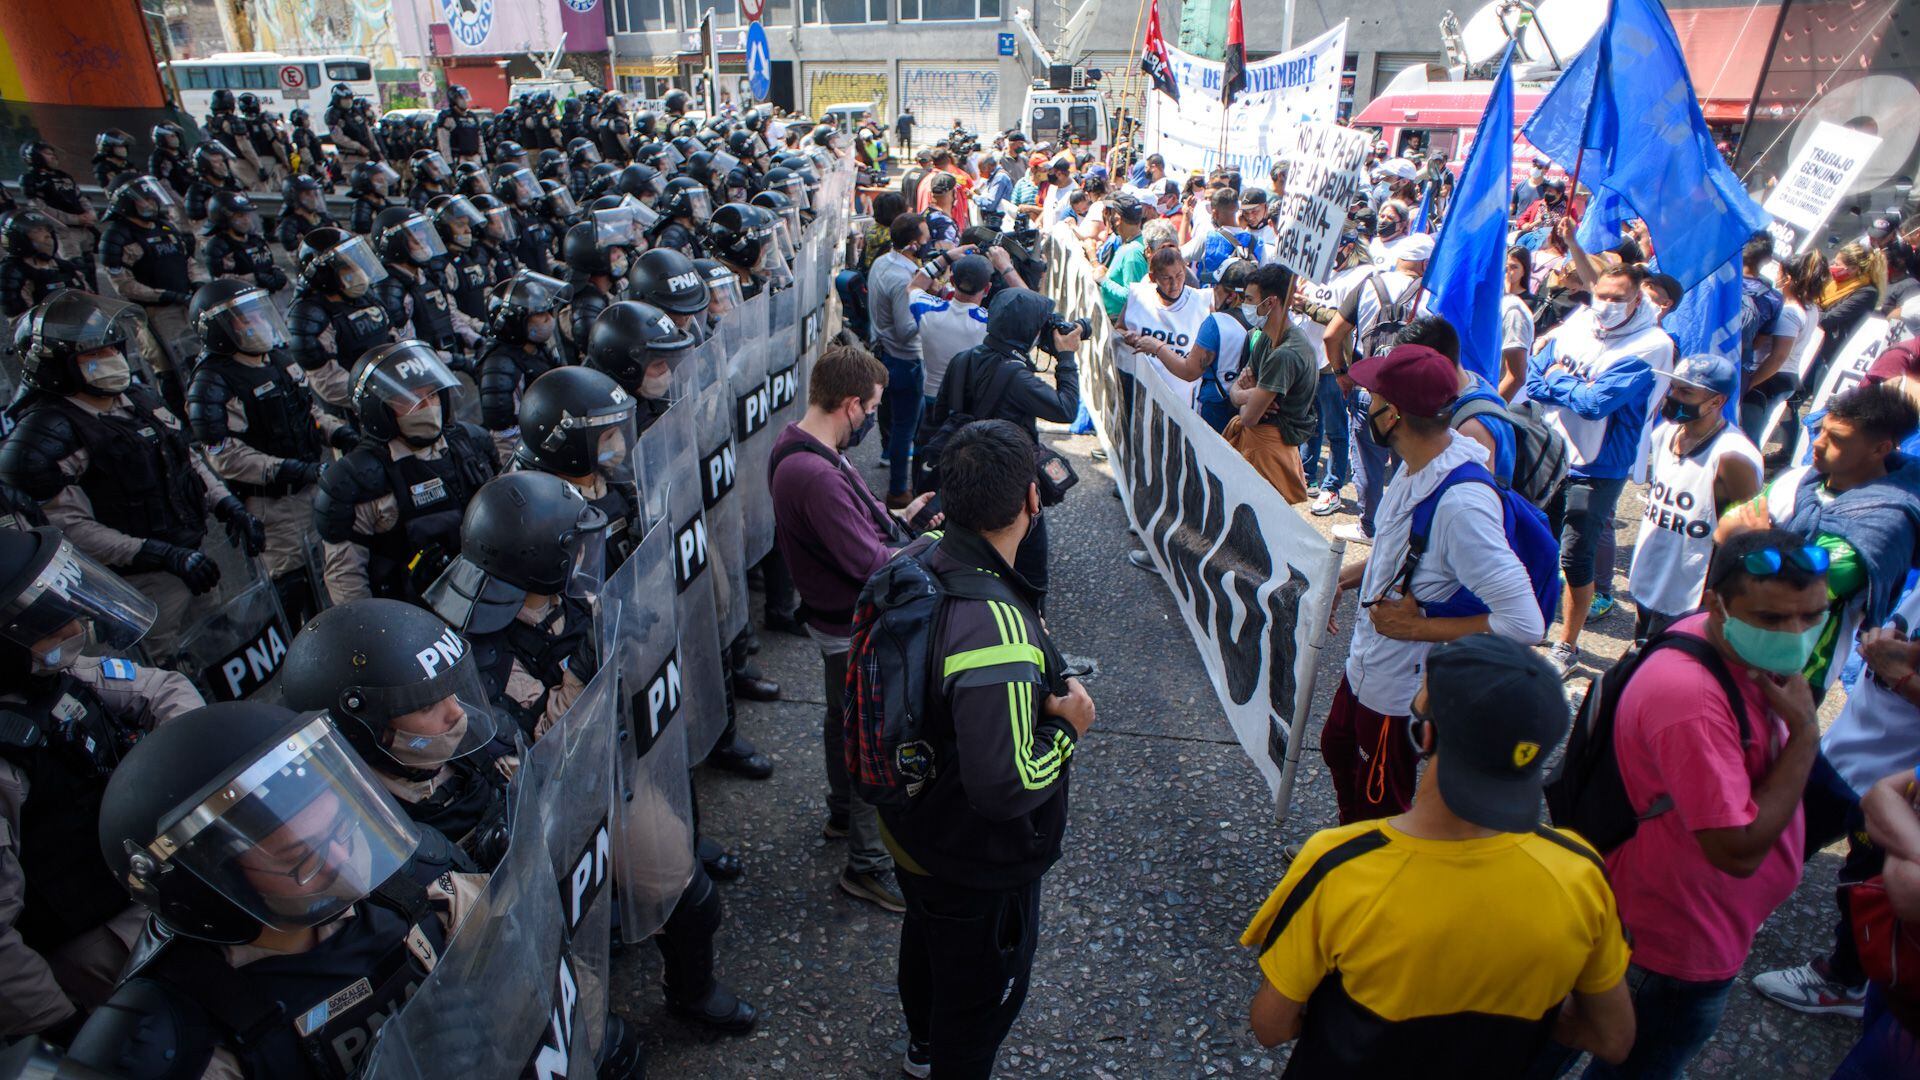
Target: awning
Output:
{"points": [[1726, 48]]}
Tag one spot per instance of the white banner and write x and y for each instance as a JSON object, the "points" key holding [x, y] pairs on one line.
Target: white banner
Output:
{"points": [[1820, 176], [1327, 170], [1295, 87], [1253, 581], [1847, 370]]}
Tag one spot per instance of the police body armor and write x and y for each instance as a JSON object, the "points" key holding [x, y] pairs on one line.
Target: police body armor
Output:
{"points": [[535, 246], [584, 303], [171, 166], [625, 527], [140, 476], [678, 237], [66, 743], [506, 370], [464, 137], [165, 254], [468, 275], [348, 121], [55, 188], [430, 497], [365, 209], [431, 306], [503, 260], [203, 189], [358, 325], [539, 650], [251, 258], [470, 809], [19, 278], [277, 407]]}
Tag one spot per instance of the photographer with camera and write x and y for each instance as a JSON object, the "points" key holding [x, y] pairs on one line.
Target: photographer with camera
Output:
{"points": [[999, 380]]}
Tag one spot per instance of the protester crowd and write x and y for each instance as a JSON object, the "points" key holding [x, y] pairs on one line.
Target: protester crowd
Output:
{"points": [[425, 427]]}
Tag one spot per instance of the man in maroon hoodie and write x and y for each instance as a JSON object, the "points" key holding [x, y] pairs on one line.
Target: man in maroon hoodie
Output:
{"points": [[833, 535]]}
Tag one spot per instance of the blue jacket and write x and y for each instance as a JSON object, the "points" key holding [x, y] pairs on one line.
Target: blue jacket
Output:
{"points": [[1621, 394]]}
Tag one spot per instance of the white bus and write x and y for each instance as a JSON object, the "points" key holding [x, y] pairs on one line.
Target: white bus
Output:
{"points": [[281, 82]]}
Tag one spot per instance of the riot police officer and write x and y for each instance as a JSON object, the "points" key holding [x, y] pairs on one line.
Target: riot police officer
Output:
{"points": [[577, 424], [236, 248], [225, 126], [306, 157], [640, 348], [295, 878], [509, 151], [169, 160], [521, 321], [552, 165], [742, 237], [334, 318], [539, 126], [51, 190], [214, 169], [389, 510], [150, 262], [303, 208], [671, 282], [111, 464], [533, 243], [431, 175], [456, 130], [370, 187], [582, 155], [414, 290], [348, 128], [30, 268], [597, 254], [684, 204], [264, 431], [269, 149], [112, 155], [495, 241], [723, 289], [557, 207], [404, 690], [66, 719], [676, 104], [467, 272]]}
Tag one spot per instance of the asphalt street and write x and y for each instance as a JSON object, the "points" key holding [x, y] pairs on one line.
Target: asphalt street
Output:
{"points": [[1173, 844]]}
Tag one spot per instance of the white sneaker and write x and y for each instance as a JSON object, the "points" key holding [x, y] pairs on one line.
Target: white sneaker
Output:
{"points": [[1324, 503], [1563, 657], [1807, 989], [1352, 533]]}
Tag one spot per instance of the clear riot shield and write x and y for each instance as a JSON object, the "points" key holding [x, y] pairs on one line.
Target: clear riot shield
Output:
{"points": [[748, 351], [652, 809], [718, 465], [465, 397], [674, 499], [233, 637]]}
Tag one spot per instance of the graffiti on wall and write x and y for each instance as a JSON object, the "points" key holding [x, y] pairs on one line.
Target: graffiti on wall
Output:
{"points": [[827, 86], [941, 95], [358, 27]]}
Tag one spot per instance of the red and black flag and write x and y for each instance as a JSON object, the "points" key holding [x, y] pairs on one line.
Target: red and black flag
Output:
{"points": [[1233, 81], [1154, 59]]}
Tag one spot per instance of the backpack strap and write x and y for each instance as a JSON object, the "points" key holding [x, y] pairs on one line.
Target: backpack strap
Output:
{"points": [[883, 520], [1421, 528], [1707, 657], [1478, 406]]}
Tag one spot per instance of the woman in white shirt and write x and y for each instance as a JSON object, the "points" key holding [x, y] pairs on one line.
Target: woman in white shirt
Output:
{"points": [[1801, 279]]}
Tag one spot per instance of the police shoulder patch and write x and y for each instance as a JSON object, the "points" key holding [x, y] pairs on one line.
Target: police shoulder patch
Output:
{"points": [[119, 668]]}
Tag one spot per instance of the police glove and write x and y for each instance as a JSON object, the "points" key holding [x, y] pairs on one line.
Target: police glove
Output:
{"points": [[344, 438], [243, 529], [583, 662], [198, 572], [175, 296], [296, 472]]}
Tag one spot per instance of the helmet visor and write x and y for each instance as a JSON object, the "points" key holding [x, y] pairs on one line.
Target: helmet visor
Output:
{"points": [[518, 186], [724, 164], [461, 208], [250, 321], [608, 438], [404, 375], [431, 166], [613, 227], [500, 226], [560, 203], [786, 225], [795, 189], [69, 602], [423, 243], [699, 205], [355, 265], [589, 154], [383, 172], [150, 189], [644, 216], [671, 158], [429, 723], [310, 200], [723, 294], [297, 835]]}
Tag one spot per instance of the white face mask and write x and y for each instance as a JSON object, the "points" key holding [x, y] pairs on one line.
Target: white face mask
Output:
{"points": [[110, 374], [62, 656], [540, 332], [1251, 313], [1611, 314], [423, 751], [422, 423], [656, 386]]}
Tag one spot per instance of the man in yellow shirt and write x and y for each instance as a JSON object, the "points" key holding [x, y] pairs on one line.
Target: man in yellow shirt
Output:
{"points": [[1455, 939]]}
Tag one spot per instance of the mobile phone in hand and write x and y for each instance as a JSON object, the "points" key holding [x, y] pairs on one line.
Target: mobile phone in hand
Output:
{"points": [[923, 520]]}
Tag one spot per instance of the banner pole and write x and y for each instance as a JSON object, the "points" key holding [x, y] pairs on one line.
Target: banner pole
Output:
{"points": [[1318, 616]]}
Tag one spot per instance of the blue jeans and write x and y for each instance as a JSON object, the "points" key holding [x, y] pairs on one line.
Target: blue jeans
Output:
{"points": [[1330, 402], [903, 400], [1885, 1048], [1674, 1018], [1374, 460]]}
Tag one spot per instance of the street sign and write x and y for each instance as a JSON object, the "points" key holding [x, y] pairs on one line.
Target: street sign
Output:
{"points": [[759, 62], [752, 9], [293, 77], [1006, 44], [426, 81]]}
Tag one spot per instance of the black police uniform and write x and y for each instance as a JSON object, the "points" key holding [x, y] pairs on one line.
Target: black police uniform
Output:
{"points": [[416, 295], [294, 224], [503, 259], [366, 207], [585, 303], [249, 258], [468, 275], [24, 284], [107, 166], [352, 125], [612, 133], [165, 265], [463, 133], [679, 237], [506, 369], [55, 190], [357, 325], [171, 166], [202, 189], [424, 192], [229, 128], [544, 653], [265, 141], [430, 495], [535, 245]]}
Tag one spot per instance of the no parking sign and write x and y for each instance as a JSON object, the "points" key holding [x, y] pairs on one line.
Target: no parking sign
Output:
{"points": [[293, 80]]}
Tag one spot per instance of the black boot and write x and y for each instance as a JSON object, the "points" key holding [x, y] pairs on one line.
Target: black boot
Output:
{"points": [[721, 864]]}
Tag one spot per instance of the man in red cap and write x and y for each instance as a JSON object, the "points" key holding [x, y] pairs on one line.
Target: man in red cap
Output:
{"points": [[1410, 604]]}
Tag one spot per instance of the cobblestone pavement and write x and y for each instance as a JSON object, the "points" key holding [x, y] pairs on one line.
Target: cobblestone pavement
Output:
{"points": [[1173, 845]]}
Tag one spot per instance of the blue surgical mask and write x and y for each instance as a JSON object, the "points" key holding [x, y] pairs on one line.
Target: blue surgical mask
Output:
{"points": [[1782, 652]]}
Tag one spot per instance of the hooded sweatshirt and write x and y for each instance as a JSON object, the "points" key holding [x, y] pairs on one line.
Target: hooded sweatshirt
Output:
{"points": [[1015, 318], [1599, 399]]}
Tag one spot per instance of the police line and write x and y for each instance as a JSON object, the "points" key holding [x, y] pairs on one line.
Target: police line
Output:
{"points": [[1253, 581], [602, 809]]}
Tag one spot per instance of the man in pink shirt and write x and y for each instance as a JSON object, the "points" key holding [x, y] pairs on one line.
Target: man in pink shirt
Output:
{"points": [[1719, 783]]}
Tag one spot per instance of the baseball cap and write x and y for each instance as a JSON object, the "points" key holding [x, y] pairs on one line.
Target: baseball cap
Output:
{"points": [[971, 273], [1883, 226], [1253, 196], [1705, 371], [1036, 160], [1499, 711], [942, 183], [1128, 208], [1419, 381], [1413, 247], [1396, 167]]}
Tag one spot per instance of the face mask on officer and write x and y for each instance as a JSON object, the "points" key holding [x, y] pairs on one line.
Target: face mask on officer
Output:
{"points": [[43, 243], [105, 371], [540, 329], [422, 423], [617, 264], [657, 381], [57, 651], [296, 869], [431, 736], [354, 282], [459, 235], [612, 450]]}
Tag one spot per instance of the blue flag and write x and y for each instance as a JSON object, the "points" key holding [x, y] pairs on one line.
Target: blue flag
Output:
{"points": [[1467, 274], [1629, 102], [1423, 218]]}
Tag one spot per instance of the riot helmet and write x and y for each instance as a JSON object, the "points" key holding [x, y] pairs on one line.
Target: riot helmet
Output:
{"points": [[333, 260], [76, 343], [582, 153], [657, 154], [458, 96], [470, 179], [38, 154], [643, 182], [167, 136], [303, 192], [243, 815], [516, 186], [576, 422], [743, 235], [789, 183], [685, 197], [786, 220], [524, 534], [141, 197], [639, 346], [398, 683], [551, 165], [557, 201], [249, 104], [429, 166], [232, 211], [676, 102], [29, 234], [456, 219], [669, 281], [601, 177], [113, 143], [510, 153], [723, 287], [401, 390], [342, 95], [700, 168], [57, 603], [233, 316], [297, 117], [515, 305], [372, 178], [213, 159], [500, 227], [589, 249], [406, 236], [223, 101]]}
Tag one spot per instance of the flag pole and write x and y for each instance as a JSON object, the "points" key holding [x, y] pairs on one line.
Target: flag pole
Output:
{"points": [[1135, 113]]}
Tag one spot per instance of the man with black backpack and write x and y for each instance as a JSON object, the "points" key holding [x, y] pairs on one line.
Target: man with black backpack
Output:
{"points": [[1686, 769], [972, 780]]}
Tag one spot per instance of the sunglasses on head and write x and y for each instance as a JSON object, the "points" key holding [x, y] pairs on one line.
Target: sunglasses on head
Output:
{"points": [[1769, 561]]}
